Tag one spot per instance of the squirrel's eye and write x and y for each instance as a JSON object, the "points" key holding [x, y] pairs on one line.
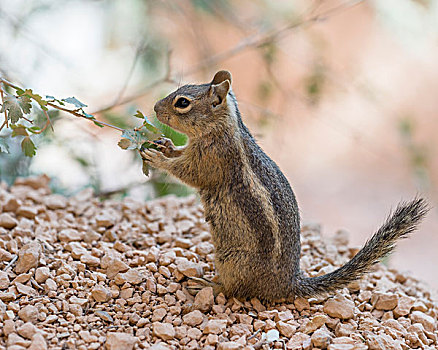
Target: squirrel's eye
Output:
{"points": [[182, 102]]}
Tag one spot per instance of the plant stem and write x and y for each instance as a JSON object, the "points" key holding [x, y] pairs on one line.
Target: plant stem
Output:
{"points": [[73, 112]]}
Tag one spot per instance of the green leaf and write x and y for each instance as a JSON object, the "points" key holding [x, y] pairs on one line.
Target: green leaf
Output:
{"points": [[34, 129], [98, 124], [28, 147], [4, 147], [37, 98], [178, 138], [25, 104], [19, 130], [139, 115], [15, 106], [74, 101], [152, 128]]}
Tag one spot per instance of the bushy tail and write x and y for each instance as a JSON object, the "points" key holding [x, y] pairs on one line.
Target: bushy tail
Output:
{"points": [[399, 225]]}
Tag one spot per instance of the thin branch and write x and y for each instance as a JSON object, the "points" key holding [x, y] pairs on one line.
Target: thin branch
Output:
{"points": [[48, 122], [76, 114], [141, 47], [167, 78], [260, 40], [252, 41], [70, 111], [5, 123]]}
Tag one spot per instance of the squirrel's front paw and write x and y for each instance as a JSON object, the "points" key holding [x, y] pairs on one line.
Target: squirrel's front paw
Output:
{"points": [[154, 158]]}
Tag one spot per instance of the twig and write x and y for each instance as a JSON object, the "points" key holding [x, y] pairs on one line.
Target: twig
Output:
{"points": [[5, 123], [73, 112], [165, 79], [140, 48], [12, 262], [76, 114], [48, 122], [254, 334], [256, 41]]}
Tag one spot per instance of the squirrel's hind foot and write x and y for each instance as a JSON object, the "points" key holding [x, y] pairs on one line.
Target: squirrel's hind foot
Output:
{"points": [[201, 283]]}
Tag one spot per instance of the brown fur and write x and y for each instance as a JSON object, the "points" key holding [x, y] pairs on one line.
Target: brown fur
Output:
{"points": [[249, 203]]}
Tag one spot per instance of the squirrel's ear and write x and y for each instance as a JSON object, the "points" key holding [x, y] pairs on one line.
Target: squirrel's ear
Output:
{"points": [[220, 77], [219, 92]]}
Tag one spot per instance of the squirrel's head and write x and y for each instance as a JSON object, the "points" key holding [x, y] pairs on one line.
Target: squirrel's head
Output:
{"points": [[197, 109]]}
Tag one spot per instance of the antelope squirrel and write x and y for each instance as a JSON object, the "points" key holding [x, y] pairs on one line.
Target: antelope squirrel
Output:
{"points": [[248, 202]]}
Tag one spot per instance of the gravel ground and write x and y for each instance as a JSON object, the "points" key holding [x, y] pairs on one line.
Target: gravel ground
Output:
{"points": [[77, 273]]}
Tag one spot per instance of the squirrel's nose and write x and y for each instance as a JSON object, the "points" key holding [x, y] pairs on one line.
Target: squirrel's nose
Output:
{"points": [[156, 107]]}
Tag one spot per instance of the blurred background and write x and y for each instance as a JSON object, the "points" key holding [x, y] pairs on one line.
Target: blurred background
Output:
{"points": [[341, 94]]}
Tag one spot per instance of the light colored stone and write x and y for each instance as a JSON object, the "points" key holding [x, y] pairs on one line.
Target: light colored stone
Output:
{"points": [[42, 274], [204, 300], [316, 322], [35, 182], [229, 345], [15, 339], [164, 331], [4, 280], [404, 306], [78, 301], [257, 305], [7, 221], [299, 341], [427, 321], [8, 327], [301, 304], [194, 333], [90, 260], [101, 293], [29, 314], [158, 314], [87, 337], [70, 235], [321, 338], [189, 268], [28, 257], [286, 329], [105, 219], [160, 346], [26, 290], [11, 203], [193, 318], [339, 307], [132, 276], [381, 342], [215, 326], [27, 212], [342, 347], [55, 201], [51, 284], [5, 255], [104, 316], [387, 301], [27, 330], [120, 341]]}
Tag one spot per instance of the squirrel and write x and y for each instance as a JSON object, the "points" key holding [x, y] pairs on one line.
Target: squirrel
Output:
{"points": [[248, 202]]}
